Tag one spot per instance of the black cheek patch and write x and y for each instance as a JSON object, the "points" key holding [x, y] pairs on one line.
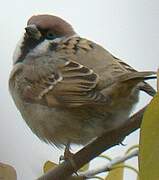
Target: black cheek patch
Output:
{"points": [[27, 45]]}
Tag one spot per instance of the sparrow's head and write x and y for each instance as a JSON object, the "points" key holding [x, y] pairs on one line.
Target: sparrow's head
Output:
{"points": [[41, 30]]}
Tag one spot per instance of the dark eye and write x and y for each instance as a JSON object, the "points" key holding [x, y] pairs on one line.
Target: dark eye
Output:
{"points": [[50, 35]]}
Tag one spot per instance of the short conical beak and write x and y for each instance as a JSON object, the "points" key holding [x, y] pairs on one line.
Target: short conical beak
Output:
{"points": [[33, 31]]}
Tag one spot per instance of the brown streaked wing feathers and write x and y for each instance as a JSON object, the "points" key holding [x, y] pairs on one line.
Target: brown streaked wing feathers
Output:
{"points": [[73, 85], [77, 87]]}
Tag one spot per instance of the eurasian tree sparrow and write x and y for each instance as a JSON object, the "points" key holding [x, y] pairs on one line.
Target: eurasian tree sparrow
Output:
{"points": [[70, 89]]}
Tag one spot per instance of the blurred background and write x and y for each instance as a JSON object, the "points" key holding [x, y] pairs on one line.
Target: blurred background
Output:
{"points": [[129, 29]]}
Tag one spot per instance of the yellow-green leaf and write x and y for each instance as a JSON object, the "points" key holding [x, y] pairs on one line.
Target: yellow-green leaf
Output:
{"points": [[116, 173], [7, 172], [84, 168], [48, 165], [149, 142]]}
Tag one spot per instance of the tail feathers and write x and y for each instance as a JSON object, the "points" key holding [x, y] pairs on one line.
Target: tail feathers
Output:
{"points": [[143, 86], [137, 78]]}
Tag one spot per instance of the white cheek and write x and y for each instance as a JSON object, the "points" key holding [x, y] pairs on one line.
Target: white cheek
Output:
{"points": [[43, 47], [40, 49], [17, 51]]}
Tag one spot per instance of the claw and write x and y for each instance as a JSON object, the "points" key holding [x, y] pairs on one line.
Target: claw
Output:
{"points": [[68, 156]]}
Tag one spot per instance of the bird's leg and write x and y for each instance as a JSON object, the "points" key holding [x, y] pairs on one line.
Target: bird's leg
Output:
{"points": [[68, 156], [67, 153]]}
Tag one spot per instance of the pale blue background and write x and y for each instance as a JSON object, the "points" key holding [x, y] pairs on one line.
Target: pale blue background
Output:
{"points": [[129, 29]]}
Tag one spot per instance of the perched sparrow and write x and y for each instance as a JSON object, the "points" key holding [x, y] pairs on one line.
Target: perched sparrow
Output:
{"points": [[70, 89]]}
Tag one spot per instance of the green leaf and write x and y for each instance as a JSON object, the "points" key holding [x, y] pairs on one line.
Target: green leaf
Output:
{"points": [[116, 173], [149, 142], [84, 168], [48, 165]]}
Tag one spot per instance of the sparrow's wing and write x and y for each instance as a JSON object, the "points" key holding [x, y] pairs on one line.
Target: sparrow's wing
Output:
{"points": [[71, 85], [78, 86], [101, 61]]}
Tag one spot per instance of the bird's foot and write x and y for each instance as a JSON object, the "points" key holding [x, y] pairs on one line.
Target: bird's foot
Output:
{"points": [[68, 156]]}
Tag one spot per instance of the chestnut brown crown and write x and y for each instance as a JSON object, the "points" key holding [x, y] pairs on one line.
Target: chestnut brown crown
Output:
{"points": [[51, 23]]}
